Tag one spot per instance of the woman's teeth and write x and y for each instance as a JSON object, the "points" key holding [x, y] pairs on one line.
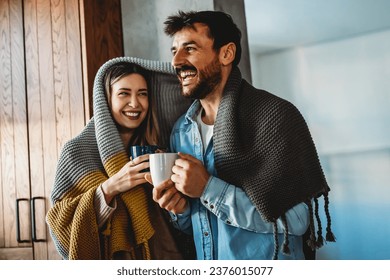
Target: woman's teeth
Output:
{"points": [[132, 114]]}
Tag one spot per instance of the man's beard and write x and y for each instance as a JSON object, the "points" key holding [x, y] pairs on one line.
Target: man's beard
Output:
{"points": [[209, 79]]}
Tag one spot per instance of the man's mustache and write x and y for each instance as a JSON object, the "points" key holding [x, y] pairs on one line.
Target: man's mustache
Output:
{"points": [[184, 68]]}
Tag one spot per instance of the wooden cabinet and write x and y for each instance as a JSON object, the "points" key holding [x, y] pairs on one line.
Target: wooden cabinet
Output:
{"points": [[47, 67], [14, 150]]}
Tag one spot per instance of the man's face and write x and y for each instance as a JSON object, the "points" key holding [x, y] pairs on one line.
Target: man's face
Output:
{"points": [[196, 63]]}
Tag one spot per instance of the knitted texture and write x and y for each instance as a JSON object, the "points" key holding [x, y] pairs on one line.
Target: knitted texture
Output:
{"points": [[262, 144], [96, 154]]}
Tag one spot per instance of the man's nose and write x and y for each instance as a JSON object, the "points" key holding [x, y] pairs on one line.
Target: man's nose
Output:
{"points": [[178, 59]]}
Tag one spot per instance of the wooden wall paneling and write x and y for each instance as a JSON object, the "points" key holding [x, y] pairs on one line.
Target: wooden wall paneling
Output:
{"points": [[48, 123], [21, 156], [75, 78], [101, 24], [86, 87], [8, 135], [5, 88], [61, 89], [34, 100]]}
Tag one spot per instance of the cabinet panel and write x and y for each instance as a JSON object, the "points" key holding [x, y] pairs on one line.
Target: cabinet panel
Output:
{"points": [[55, 98], [35, 105], [5, 90], [16, 254], [45, 250], [14, 180]]}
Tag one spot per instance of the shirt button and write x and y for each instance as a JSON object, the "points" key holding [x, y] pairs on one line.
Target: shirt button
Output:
{"points": [[212, 206], [228, 222], [205, 201], [206, 234]]}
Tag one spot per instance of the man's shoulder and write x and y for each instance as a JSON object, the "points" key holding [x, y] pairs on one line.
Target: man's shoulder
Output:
{"points": [[247, 88], [260, 96]]}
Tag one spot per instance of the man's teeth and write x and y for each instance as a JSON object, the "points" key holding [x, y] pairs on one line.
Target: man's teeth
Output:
{"points": [[185, 74], [132, 114]]}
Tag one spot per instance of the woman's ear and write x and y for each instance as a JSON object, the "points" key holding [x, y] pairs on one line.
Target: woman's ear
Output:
{"points": [[227, 53]]}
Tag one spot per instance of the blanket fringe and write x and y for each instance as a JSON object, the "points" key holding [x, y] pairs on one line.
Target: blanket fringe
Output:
{"points": [[320, 239], [329, 234], [146, 250], [312, 240], [285, 248], [276, 241]]}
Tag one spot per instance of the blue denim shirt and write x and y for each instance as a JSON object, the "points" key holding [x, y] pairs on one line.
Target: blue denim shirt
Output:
{"points": [[223, 221]]}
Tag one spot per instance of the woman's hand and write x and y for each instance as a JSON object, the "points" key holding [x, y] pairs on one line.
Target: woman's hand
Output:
{"points": [[127, 178]]}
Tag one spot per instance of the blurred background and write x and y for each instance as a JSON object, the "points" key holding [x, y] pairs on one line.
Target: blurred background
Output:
{"points": [[330, 58]]}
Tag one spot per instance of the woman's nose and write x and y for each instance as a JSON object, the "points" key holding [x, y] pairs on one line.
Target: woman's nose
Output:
{"points": [[133, 102]]}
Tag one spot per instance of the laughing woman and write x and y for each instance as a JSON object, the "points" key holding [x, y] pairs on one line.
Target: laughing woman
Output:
{"points": [[101, 204]]}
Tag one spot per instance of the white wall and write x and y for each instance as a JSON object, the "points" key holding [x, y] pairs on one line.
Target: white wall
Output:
{"points": [[343, 90]]}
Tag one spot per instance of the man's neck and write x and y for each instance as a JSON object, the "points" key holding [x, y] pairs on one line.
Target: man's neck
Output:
{"points": [[211, 102], [210, 106]]}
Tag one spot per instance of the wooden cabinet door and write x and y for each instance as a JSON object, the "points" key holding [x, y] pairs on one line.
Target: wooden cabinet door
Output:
{"points": [[15, 229], [55, 100]]}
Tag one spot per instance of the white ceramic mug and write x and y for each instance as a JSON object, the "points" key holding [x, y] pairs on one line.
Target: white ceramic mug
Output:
{"points": [[161, 166]]}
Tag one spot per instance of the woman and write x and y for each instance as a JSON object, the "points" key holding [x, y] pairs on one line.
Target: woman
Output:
{"points": [[102, 205]]}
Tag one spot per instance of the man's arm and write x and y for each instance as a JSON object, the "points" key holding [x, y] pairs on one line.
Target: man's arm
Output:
{"points": [[231, 204]]}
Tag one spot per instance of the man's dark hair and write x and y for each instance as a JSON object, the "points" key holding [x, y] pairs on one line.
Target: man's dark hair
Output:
{"points": [[222, 29]]}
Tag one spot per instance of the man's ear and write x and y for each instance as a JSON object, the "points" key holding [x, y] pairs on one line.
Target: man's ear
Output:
{"points": [[227, 53]]}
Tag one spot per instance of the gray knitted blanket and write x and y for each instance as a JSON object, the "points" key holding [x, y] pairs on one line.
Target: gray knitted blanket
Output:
{"points": [[98, 153], [262, 144]]}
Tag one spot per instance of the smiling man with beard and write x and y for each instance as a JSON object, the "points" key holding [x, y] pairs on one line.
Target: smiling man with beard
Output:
{"points": [[248, 170]]}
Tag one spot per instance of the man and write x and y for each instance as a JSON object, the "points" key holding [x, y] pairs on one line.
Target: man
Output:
{"points": [[248, 170]]}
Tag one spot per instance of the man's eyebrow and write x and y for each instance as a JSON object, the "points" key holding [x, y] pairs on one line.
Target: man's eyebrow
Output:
{"points": [[185, 44], [189, 43]]}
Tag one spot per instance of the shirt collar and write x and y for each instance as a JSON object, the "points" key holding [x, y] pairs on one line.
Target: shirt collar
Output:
{"points": [[193, 111]]}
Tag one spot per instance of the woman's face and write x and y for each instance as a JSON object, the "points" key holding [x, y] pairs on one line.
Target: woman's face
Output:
{"points": [[129, 101]]}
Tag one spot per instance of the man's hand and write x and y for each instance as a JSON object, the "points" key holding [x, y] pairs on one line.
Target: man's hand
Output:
{"points": [[189, 175], [168, 197]]}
